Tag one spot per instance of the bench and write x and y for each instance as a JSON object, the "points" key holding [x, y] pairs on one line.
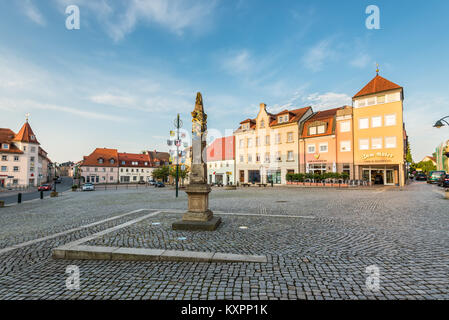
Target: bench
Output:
{"points": [[246, 184], [262, 184]]}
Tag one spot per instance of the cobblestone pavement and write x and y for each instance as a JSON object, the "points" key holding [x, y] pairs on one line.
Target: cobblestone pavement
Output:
{"points": [[405, 233]]}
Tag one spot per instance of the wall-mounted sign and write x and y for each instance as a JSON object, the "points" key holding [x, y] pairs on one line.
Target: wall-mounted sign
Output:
{"points": [[377, 154], [317, 156]]}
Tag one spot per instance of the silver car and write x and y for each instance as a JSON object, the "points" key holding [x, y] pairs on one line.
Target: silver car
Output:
{"points": [[88, 187]]}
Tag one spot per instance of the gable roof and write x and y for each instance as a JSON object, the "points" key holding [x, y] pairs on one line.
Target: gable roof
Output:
{"points": [[294, 115], [7, 136], [26, 134], [104, 153], [377, 84], [156, 156], [129, 158], [325, 116]]}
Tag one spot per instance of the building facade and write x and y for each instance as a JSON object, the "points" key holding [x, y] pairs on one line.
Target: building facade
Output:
{"points": [[267, 146], [221, 166], [100, 167], [134, 168], [379, 133], [22, 161]]}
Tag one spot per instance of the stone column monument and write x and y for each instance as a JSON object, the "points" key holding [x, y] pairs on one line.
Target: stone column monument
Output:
{"points": [[198, 217]]}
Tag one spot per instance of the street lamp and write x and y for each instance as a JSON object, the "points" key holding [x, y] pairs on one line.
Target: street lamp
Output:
{"points": [[441, 123]]}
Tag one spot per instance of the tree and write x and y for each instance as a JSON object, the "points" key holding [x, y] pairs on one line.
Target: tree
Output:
{"points": [[426, 166], [182, 173], [161, 173], [409, 157]]}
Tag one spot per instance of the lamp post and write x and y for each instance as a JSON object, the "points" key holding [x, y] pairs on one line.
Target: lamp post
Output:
{"points": [[441, 123], [54, 179]]}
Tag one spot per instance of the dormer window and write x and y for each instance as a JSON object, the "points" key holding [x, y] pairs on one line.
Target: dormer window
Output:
{"points": [[101, 160], [111, 161], [33, 137], [5, 146], [123, 162], [283, 119]]}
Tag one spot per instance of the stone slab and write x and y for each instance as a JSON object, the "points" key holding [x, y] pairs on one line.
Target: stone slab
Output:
{"points": [[137, 254], [230, 257], [210, 225], [192, 256], [89, 253]]}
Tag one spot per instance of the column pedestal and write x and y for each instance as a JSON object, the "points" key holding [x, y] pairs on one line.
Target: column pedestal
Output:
{"points": [[198, 217]]}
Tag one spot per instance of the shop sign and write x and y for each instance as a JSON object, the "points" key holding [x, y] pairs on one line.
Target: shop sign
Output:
{"points": [[377, 154]]}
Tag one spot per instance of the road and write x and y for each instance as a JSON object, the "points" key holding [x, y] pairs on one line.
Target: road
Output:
{"points": [[65, 185]]}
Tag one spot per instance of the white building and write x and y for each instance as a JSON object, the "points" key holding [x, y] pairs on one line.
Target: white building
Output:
{"points": [[221, 161]]}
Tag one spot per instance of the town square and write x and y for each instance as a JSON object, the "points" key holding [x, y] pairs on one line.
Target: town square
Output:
{"points": [[206, 152]]}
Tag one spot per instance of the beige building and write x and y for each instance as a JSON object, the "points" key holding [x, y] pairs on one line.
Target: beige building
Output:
{"points": [[267, 146]]}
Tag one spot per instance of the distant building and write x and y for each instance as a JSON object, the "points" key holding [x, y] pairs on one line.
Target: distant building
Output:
{"points": [[22, 161], [101, 166], [442, 161], [134, 168], [221, 167], [429, 158]]}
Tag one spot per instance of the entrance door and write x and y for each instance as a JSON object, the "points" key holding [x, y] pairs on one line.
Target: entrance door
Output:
{"points": [[2, 183], [389, 179], [242, 176], [377, 177]]}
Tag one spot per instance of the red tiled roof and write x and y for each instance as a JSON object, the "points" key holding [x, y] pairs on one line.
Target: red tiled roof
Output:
{"points": [[7, 136], [26, 134], [294, 115], [378, 84], [221, 149], [327, 116], [92, 160], [160, 157], [129, 158]]}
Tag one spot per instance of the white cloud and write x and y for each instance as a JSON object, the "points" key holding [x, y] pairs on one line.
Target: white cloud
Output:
{"points": [[315, 57], [328, 100], [361, 61], [121, 18], [237, 62], [30, 10]]}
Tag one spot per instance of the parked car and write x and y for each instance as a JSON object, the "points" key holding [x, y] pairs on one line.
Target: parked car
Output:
{"points": [[88, 187], [434, 176], [58, 180], [159, 184], [421, 176], [141, 182], [44, 187], [443, 181], [152, 182]]}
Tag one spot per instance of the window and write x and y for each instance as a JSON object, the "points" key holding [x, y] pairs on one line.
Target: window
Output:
{"points": [[16, 169], [257, 141], [121, 170], [267, 157], [257, 157], [267, 140], [381, 99], [280, 119], [5, 146], [16, 158], [24, 148], [262, 124], [111, 161], [250, 142], [96, 170], [111, 178], [376, 143], [289, 136], [31, 169], [101, 160], [371, 101], [250, 158], [278, 138], [104, 169], [32, 159], [312, 130], [361, 103], [321, 129], [33, 149], [345, 146], [4, 158], [311, 148], [4, 168], [390, 120], [364, 144], [146, 163], [376, 122], [390, 142], [112, 169], [290, 156], [15, 181], [278, 156], [104, 178], [394, 97], [123, 162], [345, 126], [363, 123], [241, 143], [323, 147], [241, 158]]}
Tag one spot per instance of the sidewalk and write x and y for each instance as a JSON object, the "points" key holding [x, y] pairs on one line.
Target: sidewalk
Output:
{"points": [[7, 193]]}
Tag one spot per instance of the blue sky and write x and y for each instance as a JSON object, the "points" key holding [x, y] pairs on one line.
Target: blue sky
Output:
{"points": [[120, 80]]}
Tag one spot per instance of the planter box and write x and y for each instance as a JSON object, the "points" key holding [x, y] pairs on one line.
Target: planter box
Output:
{"points": [[2, 203], [53, 194]]}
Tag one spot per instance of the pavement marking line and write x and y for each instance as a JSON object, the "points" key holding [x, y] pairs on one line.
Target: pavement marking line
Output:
{"points": [[27, 243], [264, 215], [102, 233]]}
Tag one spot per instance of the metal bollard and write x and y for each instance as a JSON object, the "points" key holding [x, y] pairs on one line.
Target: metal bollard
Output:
{"points": [[19, 198], [42, 195]]}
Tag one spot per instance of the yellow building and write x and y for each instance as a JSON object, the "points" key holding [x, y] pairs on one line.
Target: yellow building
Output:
{"points": [[379, 133], [267, 146]]}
